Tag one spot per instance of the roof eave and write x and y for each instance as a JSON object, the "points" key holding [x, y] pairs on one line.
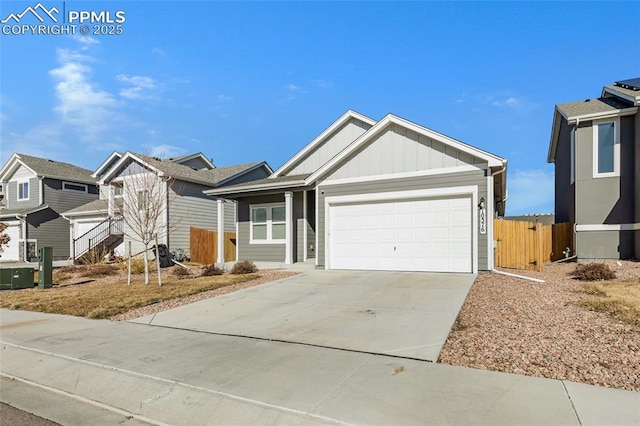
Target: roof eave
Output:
{"points": [[602, 115], [252, 188]]}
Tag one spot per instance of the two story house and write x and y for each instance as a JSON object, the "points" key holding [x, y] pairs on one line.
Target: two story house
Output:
{"points": [[134, 187], [595, 146], [36, 192]]}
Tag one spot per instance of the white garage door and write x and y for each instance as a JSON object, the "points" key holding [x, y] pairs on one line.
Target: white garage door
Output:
{"points": [[86, 226], [12, 251], [417, 235]]}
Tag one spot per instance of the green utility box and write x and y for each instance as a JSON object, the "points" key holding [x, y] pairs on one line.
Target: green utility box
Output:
{"points": [[45, 267], [16, 278]]}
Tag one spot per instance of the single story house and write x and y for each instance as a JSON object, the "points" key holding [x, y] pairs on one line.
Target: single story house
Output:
{"points": [[374, 195]]}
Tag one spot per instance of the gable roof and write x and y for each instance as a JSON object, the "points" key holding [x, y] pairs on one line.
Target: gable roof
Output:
{"points": [[106, 164], [184, 158], [213, 177], [608, 106], [320, 139], [46, 168], [491, 159]]}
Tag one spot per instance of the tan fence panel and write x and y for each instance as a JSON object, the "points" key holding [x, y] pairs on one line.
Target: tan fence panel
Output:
{"points": [[562, 237], [529, 245], [204, 246]]}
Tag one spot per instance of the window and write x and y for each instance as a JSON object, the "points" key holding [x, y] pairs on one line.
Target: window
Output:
{"points": [[606, 149], [118, 191], [573, 155], [67, 186], [23, 190], [268, 223]]}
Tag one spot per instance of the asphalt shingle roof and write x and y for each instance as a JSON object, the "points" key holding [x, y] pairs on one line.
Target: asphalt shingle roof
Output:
{"points": [[266, 181], [591, 106], [212, 177], [101, 205], [57, 169]]}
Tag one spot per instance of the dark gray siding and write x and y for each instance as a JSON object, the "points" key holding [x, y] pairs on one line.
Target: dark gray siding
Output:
{"points": [[471, 178], [311, 225], [195, 163], [605, 200], [636, 155], [256, 252], [564, 189], [47, 226], [229, 216]]}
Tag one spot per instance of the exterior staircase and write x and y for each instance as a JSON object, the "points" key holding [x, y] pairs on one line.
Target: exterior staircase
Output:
{"points": [[103, 237]]}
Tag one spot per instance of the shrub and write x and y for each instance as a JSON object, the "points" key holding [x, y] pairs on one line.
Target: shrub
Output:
{"points": [[99, 270], [244, 267], [179, 271], [95, 256], [211, 270], [137, 265], [593, 272]]}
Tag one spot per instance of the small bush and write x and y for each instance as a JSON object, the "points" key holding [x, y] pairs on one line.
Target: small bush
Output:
{"points": [[99, 270], [137, 265], [95, 256], [244, 267], [211, 270], [179, 271], [593, 272]]}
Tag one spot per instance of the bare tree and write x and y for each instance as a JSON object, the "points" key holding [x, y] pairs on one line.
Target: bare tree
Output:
{"points": [[4, 238], [145, 206]]}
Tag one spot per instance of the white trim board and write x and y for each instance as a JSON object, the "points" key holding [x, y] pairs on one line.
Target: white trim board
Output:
{"points": [[609, 227], [389, 176], [471, 190]]}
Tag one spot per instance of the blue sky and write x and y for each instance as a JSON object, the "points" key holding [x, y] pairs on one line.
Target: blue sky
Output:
{"points": [[256, 81]]}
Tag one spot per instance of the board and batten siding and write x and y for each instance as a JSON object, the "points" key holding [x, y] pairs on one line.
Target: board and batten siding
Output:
{"points": [[399, 150], [336, 142], [256, 252], [470, 178]]}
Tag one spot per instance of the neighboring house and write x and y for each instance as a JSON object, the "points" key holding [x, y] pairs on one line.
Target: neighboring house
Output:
{"points": [[386, 195], [36, 192], [595, 146], [180, 182]]}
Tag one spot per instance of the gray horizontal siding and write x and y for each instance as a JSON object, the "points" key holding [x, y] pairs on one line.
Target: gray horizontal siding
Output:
{"points": [[62, 200], [473, 178], [12, 195], [50, 230], [256, 252], [259, 173], [229, 216], [189, 206]]}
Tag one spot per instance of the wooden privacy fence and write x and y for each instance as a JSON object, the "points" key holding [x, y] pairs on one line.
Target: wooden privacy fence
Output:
{"points": [[529, 245], [203, 246]]}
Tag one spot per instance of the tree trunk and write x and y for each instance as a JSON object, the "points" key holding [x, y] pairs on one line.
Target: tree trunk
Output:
{"points": [[146, 264]]}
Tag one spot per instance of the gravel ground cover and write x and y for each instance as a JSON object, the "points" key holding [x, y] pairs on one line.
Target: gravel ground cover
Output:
{"points": [[523, 327]]}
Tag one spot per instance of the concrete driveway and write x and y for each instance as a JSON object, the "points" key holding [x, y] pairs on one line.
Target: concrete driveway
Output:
{"points": [[392, 313]]}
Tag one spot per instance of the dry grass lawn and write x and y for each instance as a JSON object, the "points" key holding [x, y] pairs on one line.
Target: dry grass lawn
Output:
{"points": [[620, 299], [104, 299]]}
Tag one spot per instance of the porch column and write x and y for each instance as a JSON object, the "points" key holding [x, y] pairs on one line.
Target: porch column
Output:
{"points": [[288, 235], [220, 231], [110, 190], [305, 221]]}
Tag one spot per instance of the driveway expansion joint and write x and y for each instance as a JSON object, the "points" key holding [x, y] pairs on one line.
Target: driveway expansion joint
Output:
{"points": [[573, 407]]}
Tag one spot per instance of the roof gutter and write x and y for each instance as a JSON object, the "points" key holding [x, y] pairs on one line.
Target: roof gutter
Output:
{"points": [[600, 115], [251, 188]]}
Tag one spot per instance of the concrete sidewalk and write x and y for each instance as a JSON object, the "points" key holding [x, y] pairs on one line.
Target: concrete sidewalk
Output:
{"points": [[159, 375]]}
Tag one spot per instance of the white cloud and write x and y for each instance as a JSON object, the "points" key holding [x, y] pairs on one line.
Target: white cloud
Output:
{"points": [[164, 151], [138, 87], [224, 98], [504, 100], [158, 51], [81, 104], [86, 41], [530, 191], [40, 141]]}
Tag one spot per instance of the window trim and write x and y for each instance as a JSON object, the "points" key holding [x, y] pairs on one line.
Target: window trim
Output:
{"points": [[22, 182], [616, 147], [269, 223], [65, 183]]}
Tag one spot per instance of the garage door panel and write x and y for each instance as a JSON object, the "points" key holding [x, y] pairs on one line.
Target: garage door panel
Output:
{"points": [[12, 250], [418, 235]]}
